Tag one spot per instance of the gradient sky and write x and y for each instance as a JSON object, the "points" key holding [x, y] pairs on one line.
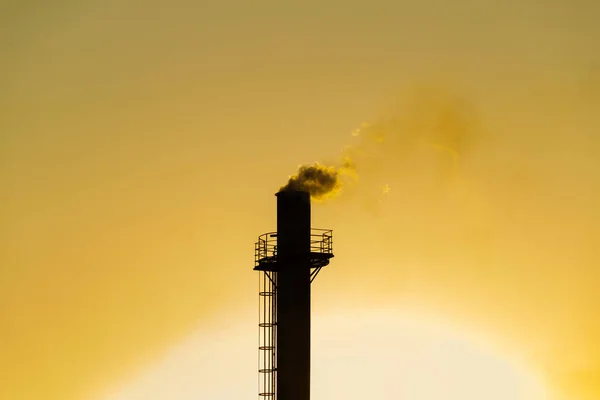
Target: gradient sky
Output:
{"points": [[142, 142]]}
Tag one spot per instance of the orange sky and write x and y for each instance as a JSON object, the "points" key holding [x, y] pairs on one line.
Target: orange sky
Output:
{"points": [[141, 144]]}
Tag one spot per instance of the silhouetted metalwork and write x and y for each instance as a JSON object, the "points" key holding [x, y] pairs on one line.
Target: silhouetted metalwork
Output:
{"points": [[321, 250], [289, 260]]}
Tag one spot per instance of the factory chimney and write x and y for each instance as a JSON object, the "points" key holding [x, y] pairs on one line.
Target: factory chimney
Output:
{"points": [[289, 260]]}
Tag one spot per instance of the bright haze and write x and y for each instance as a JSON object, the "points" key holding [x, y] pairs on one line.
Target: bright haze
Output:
{"points": [[142, 143]]}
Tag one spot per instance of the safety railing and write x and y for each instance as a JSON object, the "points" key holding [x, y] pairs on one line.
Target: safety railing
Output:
{"points": [[265, 250]]}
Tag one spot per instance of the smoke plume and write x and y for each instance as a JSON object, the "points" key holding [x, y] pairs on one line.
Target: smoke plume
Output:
{"points": [[431, 121], [319, 180]]}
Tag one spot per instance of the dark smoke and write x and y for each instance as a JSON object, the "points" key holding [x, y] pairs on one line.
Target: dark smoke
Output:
{"points": [[319, 180]]}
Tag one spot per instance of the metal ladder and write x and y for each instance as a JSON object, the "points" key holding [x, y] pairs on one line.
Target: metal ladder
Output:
{"points": [[267, 335]]}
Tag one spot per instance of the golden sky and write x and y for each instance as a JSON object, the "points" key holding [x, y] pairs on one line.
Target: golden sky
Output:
{"points": [[142, 142]]}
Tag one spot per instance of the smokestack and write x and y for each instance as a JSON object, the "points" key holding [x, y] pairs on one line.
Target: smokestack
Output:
{"points": [[289, 260], [293, 295]]}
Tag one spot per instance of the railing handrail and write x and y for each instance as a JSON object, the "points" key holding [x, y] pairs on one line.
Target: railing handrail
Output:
{"points": [[321, 241]]}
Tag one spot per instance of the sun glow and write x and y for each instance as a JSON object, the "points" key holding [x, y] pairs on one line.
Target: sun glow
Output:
{"points": [[390, 356], [355, 356]]}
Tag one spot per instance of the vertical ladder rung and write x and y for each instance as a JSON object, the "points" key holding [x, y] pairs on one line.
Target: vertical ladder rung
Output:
{"points": [[267, 334]]}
